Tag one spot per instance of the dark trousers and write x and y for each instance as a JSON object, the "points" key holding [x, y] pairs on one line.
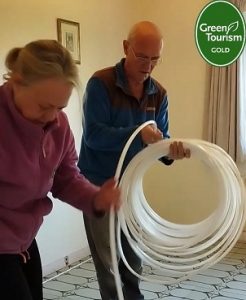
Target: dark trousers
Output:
{"points": [[97, 231], [20, 280]]}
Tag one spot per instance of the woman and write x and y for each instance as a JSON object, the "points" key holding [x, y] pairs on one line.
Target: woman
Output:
{"points": [[38, 156]]}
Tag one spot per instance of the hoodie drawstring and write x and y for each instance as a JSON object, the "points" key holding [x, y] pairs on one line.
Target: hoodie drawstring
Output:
{"points": [[26, 256]]}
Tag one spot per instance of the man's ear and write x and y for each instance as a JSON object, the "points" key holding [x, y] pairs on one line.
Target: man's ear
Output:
{"points": [[125, 46]]}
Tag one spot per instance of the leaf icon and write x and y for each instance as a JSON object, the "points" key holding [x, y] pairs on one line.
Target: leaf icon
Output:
{"points": [[233, 27]]}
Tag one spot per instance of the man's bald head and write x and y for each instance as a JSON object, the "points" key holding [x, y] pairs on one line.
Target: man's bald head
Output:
{"points": [[144, 29], [143, 49]]}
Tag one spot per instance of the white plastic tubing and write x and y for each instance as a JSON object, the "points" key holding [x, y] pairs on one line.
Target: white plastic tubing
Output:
{"points": [[178, 251]]}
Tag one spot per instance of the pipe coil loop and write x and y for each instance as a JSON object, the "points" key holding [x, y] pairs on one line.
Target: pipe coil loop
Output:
{"points": [[178, 250]]}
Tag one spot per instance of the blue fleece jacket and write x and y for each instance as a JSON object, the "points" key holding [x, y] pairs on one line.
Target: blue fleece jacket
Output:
{"points": [[111, 114]]}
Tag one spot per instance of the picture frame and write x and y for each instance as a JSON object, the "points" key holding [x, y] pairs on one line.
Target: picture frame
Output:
{"points": [[68, 34]]}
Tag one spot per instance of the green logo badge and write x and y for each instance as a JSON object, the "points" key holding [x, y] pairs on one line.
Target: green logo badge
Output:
{"points": [[220, 33]]}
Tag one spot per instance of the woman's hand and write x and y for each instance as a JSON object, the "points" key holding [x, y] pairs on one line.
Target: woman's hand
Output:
{"points": [[108, 195]]}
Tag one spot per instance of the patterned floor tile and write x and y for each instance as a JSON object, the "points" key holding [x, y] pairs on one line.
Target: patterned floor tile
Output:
{"points": [[243, 271], [74, 297], [82, 273], [224, 281], [214, 273], [197, 286], [55, 285], [72, 279], [93, 285], [89, 293], [152, 287], [149, 295], [51, 295], [187, 294], [88, 266], [233, 294]]}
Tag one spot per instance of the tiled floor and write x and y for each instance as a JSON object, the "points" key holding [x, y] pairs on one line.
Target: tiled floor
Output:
{"points": [[224, 281]]}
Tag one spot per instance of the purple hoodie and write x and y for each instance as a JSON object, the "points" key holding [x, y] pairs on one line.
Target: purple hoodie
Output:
{"points": [[34, 161]]}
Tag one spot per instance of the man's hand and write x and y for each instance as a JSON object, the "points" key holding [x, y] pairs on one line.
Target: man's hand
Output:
{"points": [[151, 134], [177, 151], [108, 195]]}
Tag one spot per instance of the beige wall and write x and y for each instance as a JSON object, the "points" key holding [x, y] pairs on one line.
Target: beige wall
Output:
{"points": [[104, 24], [102, 27], [183, 71], [184, 192]]}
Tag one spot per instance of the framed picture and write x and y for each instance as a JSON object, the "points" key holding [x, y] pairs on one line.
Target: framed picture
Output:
{"points": [[68, 33]]}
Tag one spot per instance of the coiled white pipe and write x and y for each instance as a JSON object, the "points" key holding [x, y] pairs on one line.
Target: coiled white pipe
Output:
{"points": [[178, 250]]}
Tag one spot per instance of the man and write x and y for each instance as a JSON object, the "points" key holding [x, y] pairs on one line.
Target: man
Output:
{"points": [[117, 100]]}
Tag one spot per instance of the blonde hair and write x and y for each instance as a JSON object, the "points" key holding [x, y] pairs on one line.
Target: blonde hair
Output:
{"points": [[41, 59]]}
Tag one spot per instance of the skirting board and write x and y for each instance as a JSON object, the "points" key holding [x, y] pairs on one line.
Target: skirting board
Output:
{"points": [[59, 263]]}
